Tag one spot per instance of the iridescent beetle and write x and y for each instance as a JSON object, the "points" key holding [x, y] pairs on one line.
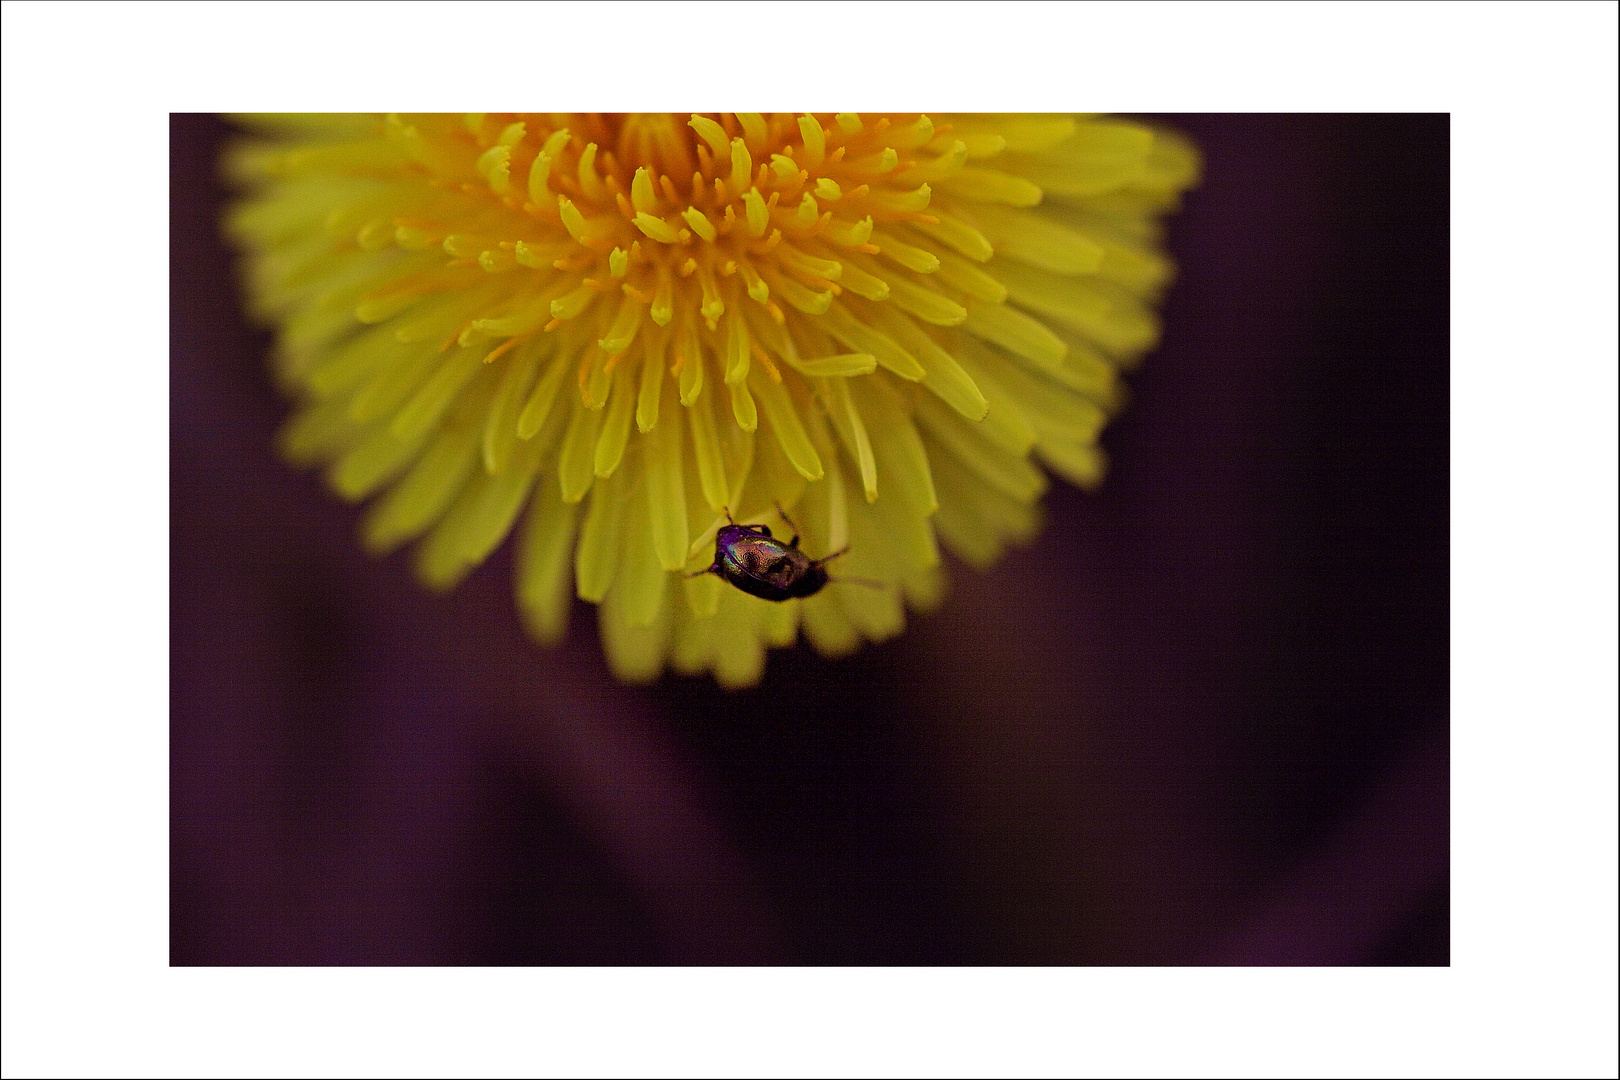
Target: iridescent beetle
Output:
{"points": [[753, 560]]}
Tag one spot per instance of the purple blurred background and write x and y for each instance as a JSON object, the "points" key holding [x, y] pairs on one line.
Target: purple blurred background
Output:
{"points": [[1202, 720]]}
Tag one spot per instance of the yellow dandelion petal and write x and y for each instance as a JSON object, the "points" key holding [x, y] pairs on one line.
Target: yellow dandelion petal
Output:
{"points": [[666, 491], [544, 585], [597, 557], [607, 333]]}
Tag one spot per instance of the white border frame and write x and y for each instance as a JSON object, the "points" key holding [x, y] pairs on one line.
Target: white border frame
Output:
{"points": [[1531, 89]]}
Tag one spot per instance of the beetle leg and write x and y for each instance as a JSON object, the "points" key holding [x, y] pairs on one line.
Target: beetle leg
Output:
{"points": [[793, 543]]}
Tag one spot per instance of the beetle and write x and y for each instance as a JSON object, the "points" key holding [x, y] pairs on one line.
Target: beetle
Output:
{"points": [[759, 564]]}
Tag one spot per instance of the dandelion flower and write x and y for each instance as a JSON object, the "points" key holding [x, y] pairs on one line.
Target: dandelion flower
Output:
{"points": [[605, 332]]}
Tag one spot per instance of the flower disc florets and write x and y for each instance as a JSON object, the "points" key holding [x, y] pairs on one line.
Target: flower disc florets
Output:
{"points": [[620, 327]]}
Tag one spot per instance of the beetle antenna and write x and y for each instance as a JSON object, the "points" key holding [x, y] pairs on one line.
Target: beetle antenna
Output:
{"points": [[783, 514], [868, 582], [834, 555], [710, 569]]}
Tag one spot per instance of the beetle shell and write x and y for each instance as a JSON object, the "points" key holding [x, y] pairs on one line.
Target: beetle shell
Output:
{"points": [[750, 558]]}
